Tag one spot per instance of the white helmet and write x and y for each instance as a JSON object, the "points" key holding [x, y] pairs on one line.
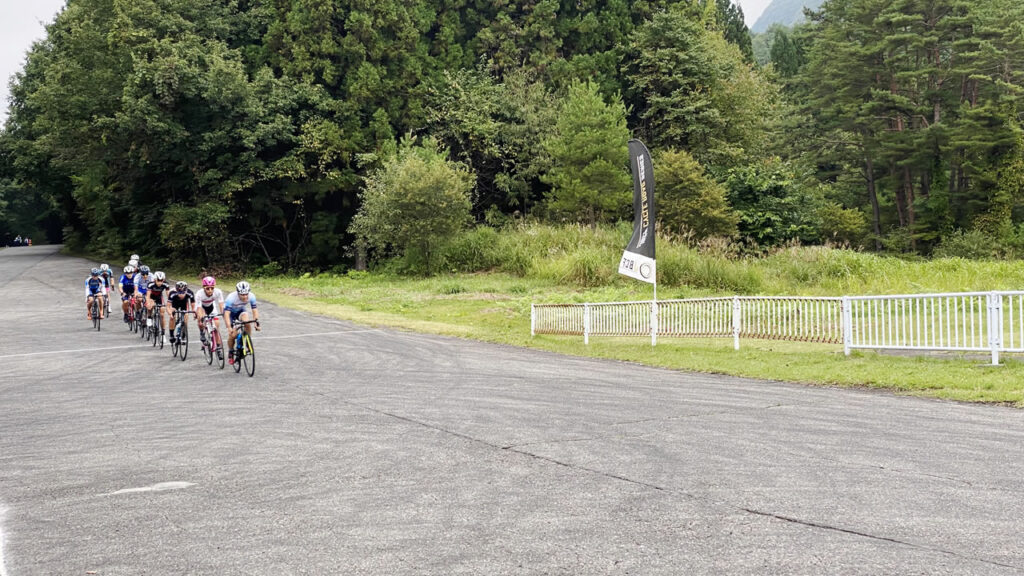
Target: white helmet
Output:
{"points": [[159, 276], [134, 263], [129, 269], [104, 267], [242, 288], [134, 257]]}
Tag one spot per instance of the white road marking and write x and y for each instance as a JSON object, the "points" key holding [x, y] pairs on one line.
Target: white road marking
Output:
{"points": [[313, 334], [79, 350], [71, 351], [162, 486], [3, 569]]}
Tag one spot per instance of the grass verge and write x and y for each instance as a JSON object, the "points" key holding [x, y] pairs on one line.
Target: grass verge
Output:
{"points": [[495, 307]]}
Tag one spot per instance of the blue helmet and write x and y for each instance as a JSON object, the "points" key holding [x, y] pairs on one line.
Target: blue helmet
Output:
{"points": [[95, 271]]}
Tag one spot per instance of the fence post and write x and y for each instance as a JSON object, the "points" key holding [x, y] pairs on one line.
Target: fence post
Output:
{"points": [[995, 325], [654, 322], [586, 323], [736, 311], [533, 320], [847, 325]]}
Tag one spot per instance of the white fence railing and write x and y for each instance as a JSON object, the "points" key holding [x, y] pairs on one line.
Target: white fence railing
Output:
{"points": [[972, 321]]}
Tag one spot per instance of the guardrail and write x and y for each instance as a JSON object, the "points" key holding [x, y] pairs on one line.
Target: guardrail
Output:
{"points": [[971, 321]]}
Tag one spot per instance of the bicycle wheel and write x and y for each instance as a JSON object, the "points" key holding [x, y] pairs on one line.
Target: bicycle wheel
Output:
{"points": [[249, 355], [218, 346], [96, 313], [183, 341], [238, 356], [207, 346], [175, 347], [161, 336]]}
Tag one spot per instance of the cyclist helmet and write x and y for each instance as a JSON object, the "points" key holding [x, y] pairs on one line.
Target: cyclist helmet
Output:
{"points": [[104, 267], [95, 271], [181, 285], [242, 288], [209, 281], [159, 275], [134, 257], [129, 269], [144, 269], [134, 262]]}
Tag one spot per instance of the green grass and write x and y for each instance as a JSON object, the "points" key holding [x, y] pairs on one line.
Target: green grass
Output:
{"points": [[495, 307]]}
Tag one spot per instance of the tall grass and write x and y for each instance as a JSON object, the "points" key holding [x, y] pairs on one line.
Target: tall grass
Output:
{"points": [[579, 256]]}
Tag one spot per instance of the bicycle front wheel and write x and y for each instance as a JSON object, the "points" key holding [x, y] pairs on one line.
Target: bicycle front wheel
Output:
{"points": [[96, 314], [218, 346], [250, 355], [183, 341]]}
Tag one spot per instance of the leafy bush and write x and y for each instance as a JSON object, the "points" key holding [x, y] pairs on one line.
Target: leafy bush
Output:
{"points": [[970, 245]]}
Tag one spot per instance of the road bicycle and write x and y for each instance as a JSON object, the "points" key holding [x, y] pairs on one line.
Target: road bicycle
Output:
{"points": [[243, 351], [96, 312], [212, 346], [156, 327], [140, 319], [179, 330], [132, 320]]}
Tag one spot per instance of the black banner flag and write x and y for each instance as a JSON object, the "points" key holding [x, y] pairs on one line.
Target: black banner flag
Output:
{"points": [[638, 259]]}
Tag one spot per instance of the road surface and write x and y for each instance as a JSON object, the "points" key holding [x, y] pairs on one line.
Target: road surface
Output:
{"points": [[362, 451]]}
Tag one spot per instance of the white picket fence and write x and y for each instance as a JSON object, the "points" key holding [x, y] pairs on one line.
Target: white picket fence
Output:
{"points": [[991, 322]]}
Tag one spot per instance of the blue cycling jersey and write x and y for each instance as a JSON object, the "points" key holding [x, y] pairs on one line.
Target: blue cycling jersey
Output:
{"points": [[142, 284], [127, 283], [93, 286]]}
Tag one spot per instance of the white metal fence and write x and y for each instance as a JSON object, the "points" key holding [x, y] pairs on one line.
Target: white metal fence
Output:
{"points": [[972, 321]]}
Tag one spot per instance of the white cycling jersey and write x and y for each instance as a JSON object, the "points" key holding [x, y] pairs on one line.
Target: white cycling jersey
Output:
{"points": [[216, 300]]}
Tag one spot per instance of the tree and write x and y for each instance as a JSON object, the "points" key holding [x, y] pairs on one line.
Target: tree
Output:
{"points": [[589, 154], [690, 201], [413, 203], [690, 89]]}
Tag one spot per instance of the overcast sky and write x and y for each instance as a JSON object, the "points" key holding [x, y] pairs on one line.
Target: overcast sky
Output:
{"points": [[21, 23]]}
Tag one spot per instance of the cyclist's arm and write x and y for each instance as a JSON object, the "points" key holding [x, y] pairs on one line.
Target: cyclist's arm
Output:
{"points": [[87, 294]]}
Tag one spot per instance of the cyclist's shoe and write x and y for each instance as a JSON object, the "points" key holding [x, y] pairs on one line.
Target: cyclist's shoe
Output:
{"points": [[231, 357], [126, 317], [173, 339]]}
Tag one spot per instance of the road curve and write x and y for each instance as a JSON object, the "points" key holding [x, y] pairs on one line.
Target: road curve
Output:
{"points": [[363, 451]]}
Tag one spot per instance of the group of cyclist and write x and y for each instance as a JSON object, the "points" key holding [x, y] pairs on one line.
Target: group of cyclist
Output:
{"points": [[153, 291]]}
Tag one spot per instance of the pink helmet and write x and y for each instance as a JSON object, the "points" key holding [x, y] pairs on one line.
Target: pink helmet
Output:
{"points": [[209, 281]]}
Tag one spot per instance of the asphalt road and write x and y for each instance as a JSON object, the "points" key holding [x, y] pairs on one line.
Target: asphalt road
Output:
{"points": [[363, 451]]}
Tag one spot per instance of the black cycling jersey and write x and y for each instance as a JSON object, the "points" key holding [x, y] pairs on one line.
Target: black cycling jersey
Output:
{"points": [[156, 292], [180, 300]]}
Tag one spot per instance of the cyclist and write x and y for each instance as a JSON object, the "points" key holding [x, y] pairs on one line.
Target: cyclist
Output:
{"points": [[93, 290], [142, 280], [108, 282], [157, 294], [126, 285], [211, 301], [234, 309], [182, 298]]}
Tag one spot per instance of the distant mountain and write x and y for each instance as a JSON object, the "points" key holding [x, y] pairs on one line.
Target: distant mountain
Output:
{"points": [[785, 12]]}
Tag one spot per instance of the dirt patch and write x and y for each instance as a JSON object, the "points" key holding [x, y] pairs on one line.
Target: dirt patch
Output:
{"points": [[301, 293], [484, 296]]}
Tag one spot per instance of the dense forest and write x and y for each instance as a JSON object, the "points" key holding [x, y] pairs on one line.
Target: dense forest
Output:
{"points": [[310, 133]]}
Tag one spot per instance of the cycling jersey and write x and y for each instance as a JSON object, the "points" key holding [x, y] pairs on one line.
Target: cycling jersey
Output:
{"points": [[233, 304], [180, 300], [127, 283], [142, 284], [108, 279], [157, 292], [207, 302], [93, 286]]}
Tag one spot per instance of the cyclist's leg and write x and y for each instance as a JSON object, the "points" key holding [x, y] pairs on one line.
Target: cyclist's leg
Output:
{"points": [[245, 318], [88, 307]]}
